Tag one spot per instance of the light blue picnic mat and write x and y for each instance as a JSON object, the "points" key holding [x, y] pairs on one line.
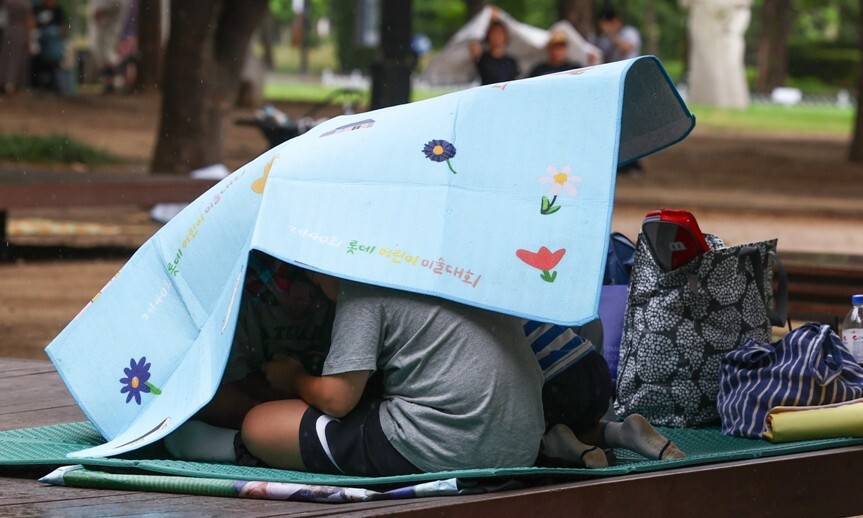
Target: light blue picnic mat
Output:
{"points": [[498, 197]]}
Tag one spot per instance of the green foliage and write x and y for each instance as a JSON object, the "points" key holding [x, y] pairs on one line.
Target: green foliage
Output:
{"points": [[830, 64], [55, 148], [438, 19], [351, 56], [282, 10], [539, 13], [826, 21]]}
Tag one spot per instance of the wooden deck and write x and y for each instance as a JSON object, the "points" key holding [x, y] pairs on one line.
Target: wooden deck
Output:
{"points": [[813, 484]]}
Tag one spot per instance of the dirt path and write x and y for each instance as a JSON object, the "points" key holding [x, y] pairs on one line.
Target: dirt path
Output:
{"points": [[743, 187]]}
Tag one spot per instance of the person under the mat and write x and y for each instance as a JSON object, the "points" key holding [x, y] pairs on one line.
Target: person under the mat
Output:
{"points": [[575, 398], [282, 313], [461, 389]]}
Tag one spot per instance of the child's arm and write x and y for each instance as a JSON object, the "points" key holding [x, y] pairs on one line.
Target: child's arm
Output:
{"points": [[334, 394]]}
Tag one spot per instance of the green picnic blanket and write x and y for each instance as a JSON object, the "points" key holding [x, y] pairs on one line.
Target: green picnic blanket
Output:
{"points": [[48, 445]]}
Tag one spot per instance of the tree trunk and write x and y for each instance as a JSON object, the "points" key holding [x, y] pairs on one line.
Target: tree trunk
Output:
{"points": [[855, 154], [651, 28], [205, 54], [776, 18], [149, 45], [267, 35], [579, 13]]}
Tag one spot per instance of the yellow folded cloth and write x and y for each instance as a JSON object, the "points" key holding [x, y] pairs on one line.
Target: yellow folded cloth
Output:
{"points": [[788, 423]]}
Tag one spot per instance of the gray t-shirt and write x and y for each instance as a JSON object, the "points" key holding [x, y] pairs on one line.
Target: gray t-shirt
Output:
{"points": [[462, 388]]}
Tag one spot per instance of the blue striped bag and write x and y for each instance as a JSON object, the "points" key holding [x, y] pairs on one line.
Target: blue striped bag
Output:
{"points": [[809, 366]]}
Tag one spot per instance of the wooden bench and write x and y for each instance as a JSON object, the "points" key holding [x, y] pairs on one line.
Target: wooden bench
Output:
{"points": [[820, 285], [21, 189]]}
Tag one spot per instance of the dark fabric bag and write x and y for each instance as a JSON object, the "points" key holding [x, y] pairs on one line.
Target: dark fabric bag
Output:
{"points": [[612, 300], [621, 258], [679, 324], [809, 366]]}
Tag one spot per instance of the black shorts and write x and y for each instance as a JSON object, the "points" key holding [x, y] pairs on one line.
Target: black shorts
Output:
{"points": [[579, 396], [352, 445]]}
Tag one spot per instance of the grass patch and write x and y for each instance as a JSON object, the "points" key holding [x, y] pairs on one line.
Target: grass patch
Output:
{"points": [[300, 92], [315, 93], [286, 58], [758, 117], [55, 148], [778, 119]]}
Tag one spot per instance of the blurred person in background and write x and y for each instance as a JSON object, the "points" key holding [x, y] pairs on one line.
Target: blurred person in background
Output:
{"points": [[556, 61], [493, 64], [15, 46], [51, 28], [108, 18], [617, 40]]}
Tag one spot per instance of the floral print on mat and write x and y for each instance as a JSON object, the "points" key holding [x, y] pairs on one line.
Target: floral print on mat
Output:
{"points": [[136, 380], [440, 151], [544, 260], [560, 181]]}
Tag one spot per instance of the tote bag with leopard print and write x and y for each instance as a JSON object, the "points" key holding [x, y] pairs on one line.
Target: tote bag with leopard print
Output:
{"points": [[679, 324]]}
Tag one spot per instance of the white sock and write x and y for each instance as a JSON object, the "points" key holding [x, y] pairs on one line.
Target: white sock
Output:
{"points": [[561, 443], [199, 441]]}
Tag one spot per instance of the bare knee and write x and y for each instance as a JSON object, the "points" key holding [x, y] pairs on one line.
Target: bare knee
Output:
{"points": [[254, 428], [271, 432]]}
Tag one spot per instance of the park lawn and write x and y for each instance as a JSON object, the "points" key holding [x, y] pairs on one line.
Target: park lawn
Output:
{"points": [[758, 117], [315, 92], [777, 119]]}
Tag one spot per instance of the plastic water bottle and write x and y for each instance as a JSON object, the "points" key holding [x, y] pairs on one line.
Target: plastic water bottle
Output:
{"points": [[852, 328]]}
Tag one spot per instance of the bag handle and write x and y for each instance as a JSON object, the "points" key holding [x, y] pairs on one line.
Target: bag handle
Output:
{"points": [[779, 315], [823, 354], [781, 295]]}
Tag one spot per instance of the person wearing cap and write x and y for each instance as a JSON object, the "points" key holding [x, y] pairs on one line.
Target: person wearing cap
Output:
{"points": [[556, 61]]}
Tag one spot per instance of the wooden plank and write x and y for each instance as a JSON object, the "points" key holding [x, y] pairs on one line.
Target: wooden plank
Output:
{"points": [[803, 260], [822, 290], [820, 285], [34, 395], [24, 365], [809, 484], [102, 193], [44, 417]]}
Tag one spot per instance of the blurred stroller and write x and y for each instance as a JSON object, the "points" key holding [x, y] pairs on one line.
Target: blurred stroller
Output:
{"points": [[278, 127]]}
